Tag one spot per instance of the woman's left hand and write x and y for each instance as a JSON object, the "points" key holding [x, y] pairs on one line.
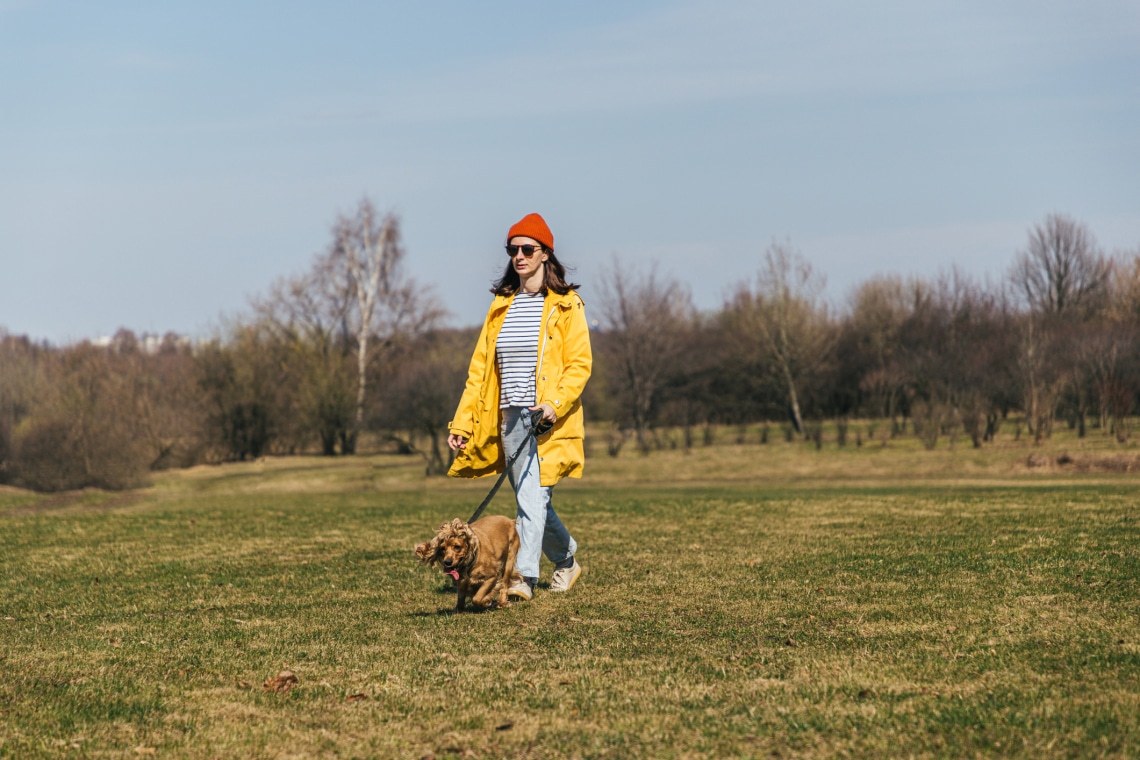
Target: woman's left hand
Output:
{"points": [[548, 412]]}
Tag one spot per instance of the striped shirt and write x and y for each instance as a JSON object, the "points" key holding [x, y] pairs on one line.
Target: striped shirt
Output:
{"points": [[516, 350]]}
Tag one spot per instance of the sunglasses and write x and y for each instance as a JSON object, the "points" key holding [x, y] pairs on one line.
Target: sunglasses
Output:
{"points": [[527, 250]]}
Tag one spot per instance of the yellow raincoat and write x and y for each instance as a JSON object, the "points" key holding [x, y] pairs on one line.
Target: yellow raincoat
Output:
{"points": [[564, 363]]}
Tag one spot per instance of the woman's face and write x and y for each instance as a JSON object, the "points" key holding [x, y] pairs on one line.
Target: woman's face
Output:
{"points": [[527, 265]]}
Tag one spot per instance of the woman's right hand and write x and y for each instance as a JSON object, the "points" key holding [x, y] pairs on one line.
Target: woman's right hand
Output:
{"points": [[456, 442]]}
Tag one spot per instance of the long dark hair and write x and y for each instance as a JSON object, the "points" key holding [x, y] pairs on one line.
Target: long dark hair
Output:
{"points": [[554, 278]]}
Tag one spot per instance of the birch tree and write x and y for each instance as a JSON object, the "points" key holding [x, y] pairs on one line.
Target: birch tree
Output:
{"points": [[366, 245]]}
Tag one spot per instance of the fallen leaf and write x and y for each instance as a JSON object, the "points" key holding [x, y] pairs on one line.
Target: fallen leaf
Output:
{"points": [[244, 685], [575, 620], [356, 697], [505, 726], [284, 681], [790, 642], [864, 693], [116, 643], [146, 750]]}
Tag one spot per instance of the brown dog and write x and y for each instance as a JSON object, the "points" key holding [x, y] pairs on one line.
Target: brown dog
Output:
{"points": [[480, 556]]}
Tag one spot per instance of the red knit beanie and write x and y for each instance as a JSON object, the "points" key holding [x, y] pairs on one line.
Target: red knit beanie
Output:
{"points": [[533, 226]]}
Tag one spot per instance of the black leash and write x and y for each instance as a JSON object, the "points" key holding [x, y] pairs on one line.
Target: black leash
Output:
{"points": [[538, 426]]}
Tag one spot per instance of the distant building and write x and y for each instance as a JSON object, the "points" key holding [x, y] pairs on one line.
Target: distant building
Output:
{"points": [[148, 343]]}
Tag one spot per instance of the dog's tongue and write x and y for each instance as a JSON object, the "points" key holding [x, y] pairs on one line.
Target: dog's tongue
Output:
{"points": [[453, 573]]}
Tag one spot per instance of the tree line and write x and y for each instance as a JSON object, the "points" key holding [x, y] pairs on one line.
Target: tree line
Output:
{"points": [[354, 350]]}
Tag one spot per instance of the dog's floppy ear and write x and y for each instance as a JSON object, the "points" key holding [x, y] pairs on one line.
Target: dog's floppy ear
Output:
{"points": [[428, 552]]}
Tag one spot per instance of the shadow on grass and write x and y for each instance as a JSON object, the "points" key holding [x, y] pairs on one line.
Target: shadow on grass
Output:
{"points": [[446, 611], [438, 613]]}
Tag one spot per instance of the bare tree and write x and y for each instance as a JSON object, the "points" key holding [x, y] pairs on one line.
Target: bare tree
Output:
{"points": [[788, 319], [1061, 271], [351, 300], [1108, 350], [870, 343], [1108, 354], [85, 428], [23, 384], [952, 348], [304, 321], [424, 378], [644, 317], [367, 246], [1124, 287], [1064, 279]]}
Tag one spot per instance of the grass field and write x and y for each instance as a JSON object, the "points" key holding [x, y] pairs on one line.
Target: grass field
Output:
{"points": [[738, 601]]}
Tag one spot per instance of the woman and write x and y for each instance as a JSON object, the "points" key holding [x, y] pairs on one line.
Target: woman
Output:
{"points": [[533, 353]]}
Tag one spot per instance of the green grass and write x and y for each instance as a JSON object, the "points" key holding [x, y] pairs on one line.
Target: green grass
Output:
{"points": [[900, 603]]}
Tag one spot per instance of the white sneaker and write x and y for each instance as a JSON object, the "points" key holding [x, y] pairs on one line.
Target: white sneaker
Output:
{"points": [[522, 590], [563, 579]]}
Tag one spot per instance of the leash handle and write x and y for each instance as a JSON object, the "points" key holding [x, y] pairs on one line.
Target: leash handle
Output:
{"points": [[538, 426]]}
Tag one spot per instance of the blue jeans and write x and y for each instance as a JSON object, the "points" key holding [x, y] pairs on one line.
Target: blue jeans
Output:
{"points": [[539, 528]]}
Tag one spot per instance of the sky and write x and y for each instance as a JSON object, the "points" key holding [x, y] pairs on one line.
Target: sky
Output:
{"points": [[162, 163]]}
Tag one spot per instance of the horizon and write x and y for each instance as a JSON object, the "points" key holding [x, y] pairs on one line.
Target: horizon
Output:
{"points": [[150, 341]]}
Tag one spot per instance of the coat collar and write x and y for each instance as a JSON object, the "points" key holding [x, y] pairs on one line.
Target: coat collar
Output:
{"points": [[561, 301]]}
